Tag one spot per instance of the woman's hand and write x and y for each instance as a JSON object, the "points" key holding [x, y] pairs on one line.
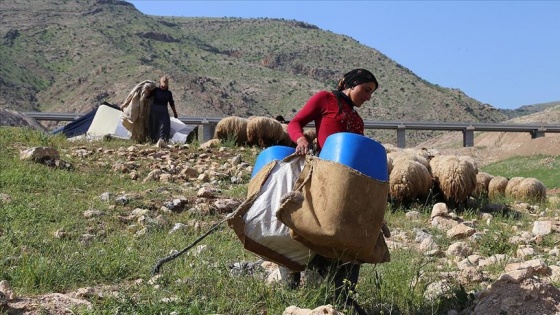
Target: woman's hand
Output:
{"points": [[303, 146]]}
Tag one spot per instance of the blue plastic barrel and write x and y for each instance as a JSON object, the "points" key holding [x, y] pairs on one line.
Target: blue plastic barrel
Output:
{"points": [[277, 152], [361, 153]]}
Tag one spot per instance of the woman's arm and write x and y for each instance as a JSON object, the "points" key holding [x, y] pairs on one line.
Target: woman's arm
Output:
{"points": [[311, 111]]}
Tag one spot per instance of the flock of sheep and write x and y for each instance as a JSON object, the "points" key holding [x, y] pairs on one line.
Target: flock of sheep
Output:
{"points": [[420, 174], [256, 130], [415, 175]]}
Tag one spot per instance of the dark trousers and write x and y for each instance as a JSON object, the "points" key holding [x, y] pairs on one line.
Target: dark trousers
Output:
{"points": [[343, 274], [160, 123]]}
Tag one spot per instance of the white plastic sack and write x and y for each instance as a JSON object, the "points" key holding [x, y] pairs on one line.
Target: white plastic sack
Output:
{"points": [[261, 223]]}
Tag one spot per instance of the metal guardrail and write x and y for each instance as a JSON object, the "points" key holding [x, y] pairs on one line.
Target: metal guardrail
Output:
{"points": [[208, 125]]}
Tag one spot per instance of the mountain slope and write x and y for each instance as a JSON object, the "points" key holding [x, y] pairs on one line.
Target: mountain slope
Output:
{"points": [[491, 147], [69, 56]]}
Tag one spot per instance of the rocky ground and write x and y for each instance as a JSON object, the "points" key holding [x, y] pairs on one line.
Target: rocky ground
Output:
{"points": [[525, 287]]}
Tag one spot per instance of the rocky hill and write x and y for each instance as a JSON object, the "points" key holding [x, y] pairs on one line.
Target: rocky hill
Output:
{"points": [[69, 56], [491, 147]]}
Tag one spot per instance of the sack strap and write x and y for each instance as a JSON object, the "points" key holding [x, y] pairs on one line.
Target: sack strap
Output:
{"points": [[305, 174]]}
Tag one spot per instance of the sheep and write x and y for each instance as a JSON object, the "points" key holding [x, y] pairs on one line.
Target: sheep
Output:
{"points": [[389, 164], [454, 177], [409, 180], [482, 182], [511, 188], [497, 187], [469, 159], [391, 148], [285, 139], [232, 127], [264, 131], [530, 190], [310, 134], [411, 154]]}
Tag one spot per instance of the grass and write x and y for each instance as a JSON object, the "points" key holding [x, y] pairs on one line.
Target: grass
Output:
{"points": [[49, 245], [544, 168]]}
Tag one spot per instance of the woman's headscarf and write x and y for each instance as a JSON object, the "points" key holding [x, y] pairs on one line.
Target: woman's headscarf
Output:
{"points": [[356, 77]]}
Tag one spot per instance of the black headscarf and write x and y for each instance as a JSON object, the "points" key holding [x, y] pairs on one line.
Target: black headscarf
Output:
{"points": [[350, 80], [356, 77]]}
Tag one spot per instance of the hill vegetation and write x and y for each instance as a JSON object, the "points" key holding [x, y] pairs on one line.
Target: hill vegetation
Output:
{"points": [[70, 55]]}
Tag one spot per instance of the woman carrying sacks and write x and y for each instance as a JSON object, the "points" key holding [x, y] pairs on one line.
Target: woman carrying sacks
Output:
{"points": [[332, 112], [160, 124]]}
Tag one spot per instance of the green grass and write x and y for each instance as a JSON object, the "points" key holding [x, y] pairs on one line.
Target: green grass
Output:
{"points": [[110, 254], [544, 168]]}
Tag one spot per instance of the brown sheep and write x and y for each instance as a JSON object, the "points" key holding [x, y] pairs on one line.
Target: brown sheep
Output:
{"points": [[310, 134], [286, 140], [530, 190], [232, 127], [409, 180], [482, 182], [264, 131], [455, 177], [497, 187], [469, 159], [511, 188], [391, 148], [389, 164]]}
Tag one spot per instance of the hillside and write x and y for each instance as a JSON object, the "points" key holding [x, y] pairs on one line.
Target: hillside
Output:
{"points": [[491, 147], [69, 56], [529, 109]]}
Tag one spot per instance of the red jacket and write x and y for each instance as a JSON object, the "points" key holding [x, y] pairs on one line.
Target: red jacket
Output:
{"points": [[322, 108]]}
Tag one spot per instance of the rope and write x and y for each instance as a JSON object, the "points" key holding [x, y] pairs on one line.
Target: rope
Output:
{"points": [[162, 261]]}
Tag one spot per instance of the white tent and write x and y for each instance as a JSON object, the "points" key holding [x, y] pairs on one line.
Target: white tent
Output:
{"points": [[108, 122]]}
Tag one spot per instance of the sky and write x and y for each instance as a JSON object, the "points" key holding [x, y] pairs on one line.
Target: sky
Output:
{"points": [[503, 53]]}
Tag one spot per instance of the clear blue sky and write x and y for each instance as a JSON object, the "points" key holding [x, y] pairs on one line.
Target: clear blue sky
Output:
{"points": [[504, 53]]}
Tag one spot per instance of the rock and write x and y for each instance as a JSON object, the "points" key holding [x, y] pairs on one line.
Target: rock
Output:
{"points": [[460, 249], [542, 227], [530, 296], [39, 154], [206, 192], [460, 231], [5, 198], [439, 209], [92, 213], [516, 276], [321, 310], [443, 223], [226, 205], [413, 215], [523, 252], [537, 265]]}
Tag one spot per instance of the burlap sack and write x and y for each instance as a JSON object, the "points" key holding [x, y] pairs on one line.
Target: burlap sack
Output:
{"points": [[337, 212]]}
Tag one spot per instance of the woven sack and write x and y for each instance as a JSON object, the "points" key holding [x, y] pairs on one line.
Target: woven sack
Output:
{"points": [[337, 212], [256, 224]]}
